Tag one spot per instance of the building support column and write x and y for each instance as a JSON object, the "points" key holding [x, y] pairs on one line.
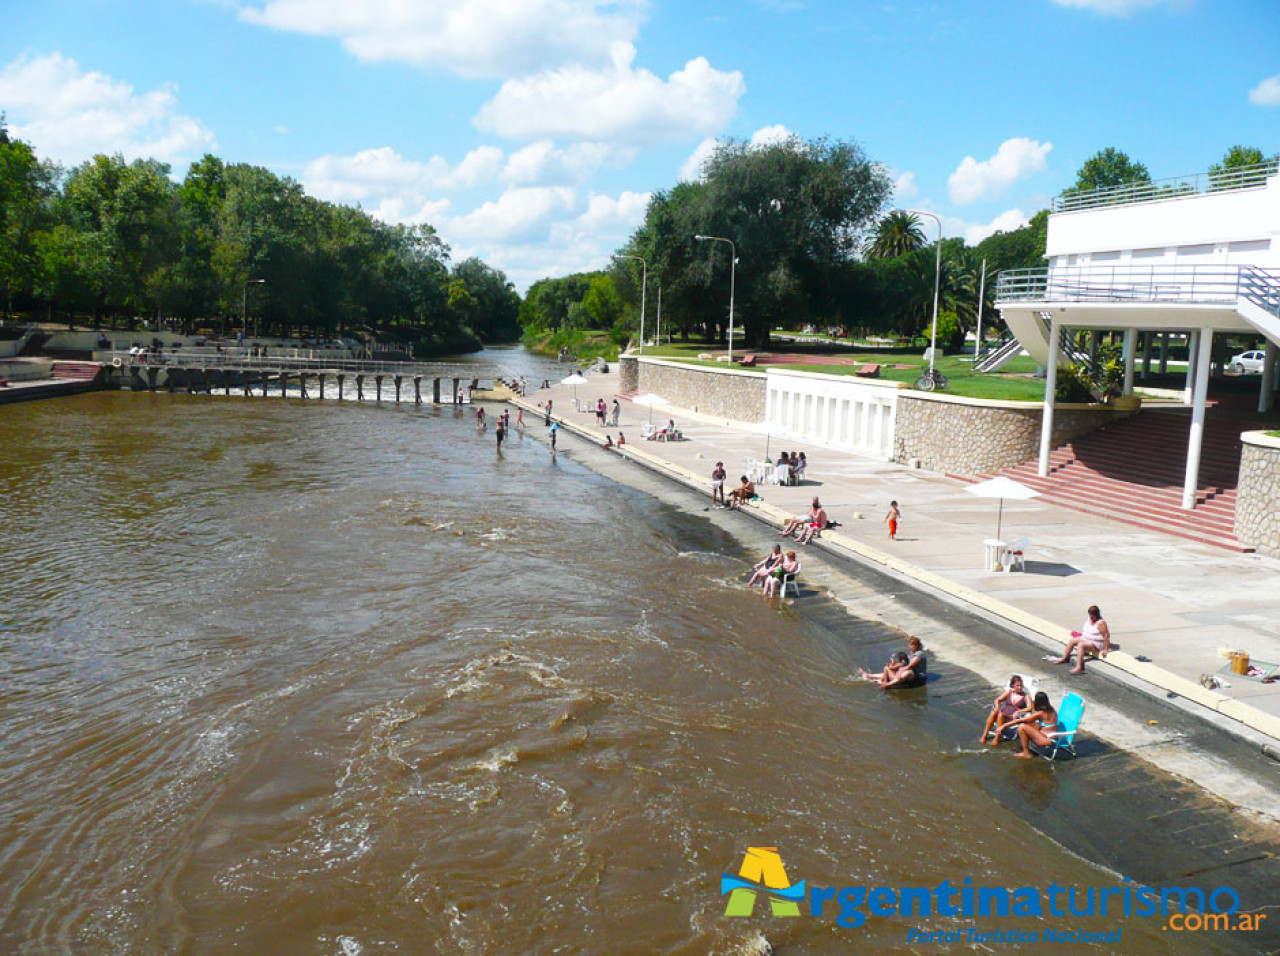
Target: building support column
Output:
{"points": [[1050, 384], [1164, 353], [1130, 341], [1267, 391], [1146, 354], [1193, 369], [1200, 359]]}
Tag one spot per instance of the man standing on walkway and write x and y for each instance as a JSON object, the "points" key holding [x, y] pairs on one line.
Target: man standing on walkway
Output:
{"points": [[717, 485], [547, 420]]}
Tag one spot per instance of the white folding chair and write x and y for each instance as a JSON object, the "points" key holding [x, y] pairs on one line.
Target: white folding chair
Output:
{"points": [[790, 581]]}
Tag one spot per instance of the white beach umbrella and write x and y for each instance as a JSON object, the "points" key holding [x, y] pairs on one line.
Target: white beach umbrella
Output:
{"points": [[1002, 488], [651, 400], [575, 380]]}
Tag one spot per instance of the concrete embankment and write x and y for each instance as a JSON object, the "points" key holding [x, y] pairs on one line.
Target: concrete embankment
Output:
{"points": [[29, 379], [1140, 707]]}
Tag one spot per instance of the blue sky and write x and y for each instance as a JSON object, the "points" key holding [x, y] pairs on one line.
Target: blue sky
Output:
{"points": [[532, 132]]}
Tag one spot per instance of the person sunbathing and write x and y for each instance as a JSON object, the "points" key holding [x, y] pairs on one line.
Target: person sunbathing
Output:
{"points": [[1013, 703], [773, 584], [1094, 637], [815, 526], [795, 524], [765, 565], [742, 494], [1036, 726]]}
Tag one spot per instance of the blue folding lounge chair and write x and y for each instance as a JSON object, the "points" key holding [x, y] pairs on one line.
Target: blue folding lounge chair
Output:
{"points": [[1070, 713]]}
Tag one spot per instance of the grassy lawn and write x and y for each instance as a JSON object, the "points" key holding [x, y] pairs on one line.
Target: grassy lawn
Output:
{"points": [[1010, 384]]}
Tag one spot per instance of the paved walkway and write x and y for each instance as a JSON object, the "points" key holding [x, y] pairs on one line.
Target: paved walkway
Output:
{"points": [[1171, 603]]}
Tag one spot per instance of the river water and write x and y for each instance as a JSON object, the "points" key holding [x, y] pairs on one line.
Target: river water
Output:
{"points": [[344, 679]]}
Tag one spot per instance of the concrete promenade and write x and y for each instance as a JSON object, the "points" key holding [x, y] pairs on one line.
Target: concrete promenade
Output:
{"points": [[1170, 603]]}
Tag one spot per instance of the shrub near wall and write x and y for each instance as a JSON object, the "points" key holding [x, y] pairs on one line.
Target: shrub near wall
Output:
{"points": [[969, 436], [1258, 498], [720, 392]]}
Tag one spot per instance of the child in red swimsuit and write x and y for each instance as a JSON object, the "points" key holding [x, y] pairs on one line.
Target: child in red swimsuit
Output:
{"points": [[892, 517]]}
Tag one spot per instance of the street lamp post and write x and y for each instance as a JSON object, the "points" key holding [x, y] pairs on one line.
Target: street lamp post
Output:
{"points": [[644, 288], [982, 289], [937, 280], [733, 270], [244, 304], [658, 337]]}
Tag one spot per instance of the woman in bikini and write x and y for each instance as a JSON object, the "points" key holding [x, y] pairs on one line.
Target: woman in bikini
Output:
{"points": [[1013, 703], [1035, 727]]}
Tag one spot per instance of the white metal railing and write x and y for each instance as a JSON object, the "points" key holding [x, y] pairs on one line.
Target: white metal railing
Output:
{"points": [[1241, 177], [1208, 284]]}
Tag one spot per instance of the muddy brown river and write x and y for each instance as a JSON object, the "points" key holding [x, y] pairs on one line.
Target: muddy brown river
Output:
{"points": [[295, 677]]}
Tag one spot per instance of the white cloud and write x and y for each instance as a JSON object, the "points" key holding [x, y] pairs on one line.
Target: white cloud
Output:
{"points": [[904, 185], [691, 168], [373, 173], [475, 38], [617, 104], [1266, 93], [545, 164], [974, 232], [521, 214], [70, 115], [1016, 159], [1118, 8], [771, 135]]}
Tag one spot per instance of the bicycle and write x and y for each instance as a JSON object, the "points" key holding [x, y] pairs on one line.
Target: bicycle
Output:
{"points": [[930, 380]]}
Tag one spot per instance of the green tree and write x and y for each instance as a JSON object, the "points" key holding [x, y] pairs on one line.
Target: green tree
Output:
{"points": [[1108, 168], [794, 209], [896, 234], [602, 303], [25, 192], [1242, 166]]}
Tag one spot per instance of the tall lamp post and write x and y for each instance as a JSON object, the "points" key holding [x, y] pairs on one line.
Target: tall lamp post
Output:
{"points": [[733, 269], [244, 304], [937, 279], [644, 287], [982, 290]]}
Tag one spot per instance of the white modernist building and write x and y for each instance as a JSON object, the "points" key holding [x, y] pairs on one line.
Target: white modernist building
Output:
{"points": [[1193, 257]]}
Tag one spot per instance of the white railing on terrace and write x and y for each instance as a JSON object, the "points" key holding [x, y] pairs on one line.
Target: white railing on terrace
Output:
{"points": [[1207, 284], [1241, 177]]}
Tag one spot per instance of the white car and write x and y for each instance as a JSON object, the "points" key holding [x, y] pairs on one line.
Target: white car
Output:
{"points": [[1247, 361]]}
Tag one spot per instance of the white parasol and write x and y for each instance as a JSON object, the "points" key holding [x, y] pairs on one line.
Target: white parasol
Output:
{"points": [[1002, 488], [651, 400], [575, 380]]}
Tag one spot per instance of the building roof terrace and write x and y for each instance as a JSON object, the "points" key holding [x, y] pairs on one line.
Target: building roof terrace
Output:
{"points": [[1240, 177]]}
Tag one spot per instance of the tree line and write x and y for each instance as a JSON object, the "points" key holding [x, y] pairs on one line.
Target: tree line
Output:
{"points": [[815, 243], [119, 242]]}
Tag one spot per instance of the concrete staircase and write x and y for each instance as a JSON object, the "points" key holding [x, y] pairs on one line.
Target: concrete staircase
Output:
{"points": [[1132, 472], [76, 371]]}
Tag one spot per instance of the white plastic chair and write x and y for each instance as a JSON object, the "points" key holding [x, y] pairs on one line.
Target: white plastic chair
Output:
{"points": [[1015, 554], [790, 581]]}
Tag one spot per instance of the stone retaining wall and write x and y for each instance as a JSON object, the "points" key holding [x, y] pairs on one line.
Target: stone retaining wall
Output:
{"points": [[969, 436], [1258, 497], [721, 392]]}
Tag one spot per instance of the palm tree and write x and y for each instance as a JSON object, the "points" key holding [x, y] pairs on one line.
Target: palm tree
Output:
{"points": [[896, 234]]}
